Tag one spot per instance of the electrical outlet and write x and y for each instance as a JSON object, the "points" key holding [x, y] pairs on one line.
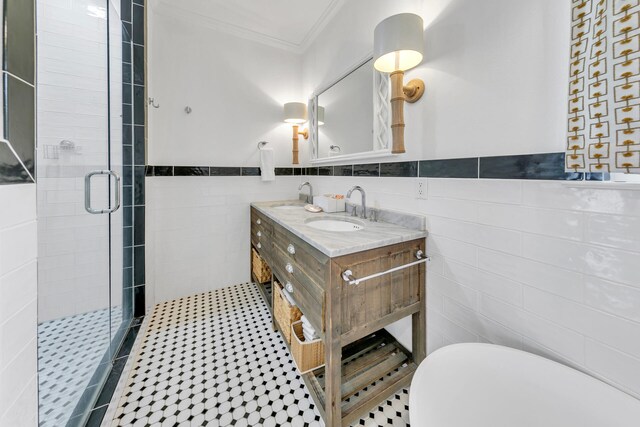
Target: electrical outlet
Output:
{"points": [[421, 189]]}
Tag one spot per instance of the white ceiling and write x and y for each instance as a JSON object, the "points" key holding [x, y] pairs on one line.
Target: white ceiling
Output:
{"points": [[287, 24]]}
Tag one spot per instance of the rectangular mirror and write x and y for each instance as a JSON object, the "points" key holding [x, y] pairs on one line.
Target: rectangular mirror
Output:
{"points": [[350, 118]]}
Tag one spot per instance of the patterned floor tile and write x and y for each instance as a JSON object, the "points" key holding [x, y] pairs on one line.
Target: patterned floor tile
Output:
{"points": [[213, 360], [69, 351]]}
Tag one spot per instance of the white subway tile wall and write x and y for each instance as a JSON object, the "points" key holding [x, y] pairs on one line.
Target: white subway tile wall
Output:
{"points": [[73, 105], [198, 231], [18, 304], [540, 266], [535, 265]]}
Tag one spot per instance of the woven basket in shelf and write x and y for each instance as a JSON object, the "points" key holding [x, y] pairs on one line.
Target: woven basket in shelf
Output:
{"points": [[284, 313], [259, 267], [308, 355]]}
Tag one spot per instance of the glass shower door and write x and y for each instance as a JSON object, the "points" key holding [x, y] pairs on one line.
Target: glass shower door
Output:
{"points": [[80, 224]]}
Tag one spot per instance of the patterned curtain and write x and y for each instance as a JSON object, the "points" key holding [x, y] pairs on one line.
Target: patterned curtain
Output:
{"points": [[604, 89]]}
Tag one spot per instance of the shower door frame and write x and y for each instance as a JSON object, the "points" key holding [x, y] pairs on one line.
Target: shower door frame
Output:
{"points": [[115, 281]]}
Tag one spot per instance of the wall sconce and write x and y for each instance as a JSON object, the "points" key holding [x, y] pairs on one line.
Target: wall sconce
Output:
{"points": [[398, 46], [296, 114]]}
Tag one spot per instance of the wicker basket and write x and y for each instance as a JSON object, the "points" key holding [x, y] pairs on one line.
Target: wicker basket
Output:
{"points": [[284, 313], [259, 267], [308, 355]]}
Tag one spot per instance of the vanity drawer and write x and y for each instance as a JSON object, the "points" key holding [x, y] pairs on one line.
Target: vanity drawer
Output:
{"points": [[310, 260], [261, 232], [306, 301], [261, 223], [293, 269], [260, 236]]}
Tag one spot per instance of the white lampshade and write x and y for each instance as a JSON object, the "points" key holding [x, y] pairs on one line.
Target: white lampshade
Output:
{"points": [[320, 116], [397, 43], [295, 112]]}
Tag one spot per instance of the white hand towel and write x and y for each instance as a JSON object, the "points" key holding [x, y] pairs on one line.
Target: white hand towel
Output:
{"points": [[267, 164], [310, 332], [308, 337]]}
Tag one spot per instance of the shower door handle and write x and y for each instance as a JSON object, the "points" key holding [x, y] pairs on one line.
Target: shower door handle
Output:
{"points": [[87, 192]]}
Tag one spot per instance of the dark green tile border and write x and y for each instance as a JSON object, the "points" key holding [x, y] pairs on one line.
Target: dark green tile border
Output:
{"points": [[449, 168], [545, 166]]}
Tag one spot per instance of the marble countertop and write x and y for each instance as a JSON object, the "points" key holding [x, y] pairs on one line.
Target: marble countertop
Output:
{"points": [[333, 244]]}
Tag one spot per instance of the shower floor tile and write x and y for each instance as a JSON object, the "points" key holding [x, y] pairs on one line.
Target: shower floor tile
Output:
{"points": [[213, 360], [69, 351]]}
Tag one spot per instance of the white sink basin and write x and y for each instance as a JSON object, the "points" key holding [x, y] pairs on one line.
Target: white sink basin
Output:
{"points": [[335, 224], [288, 207]]}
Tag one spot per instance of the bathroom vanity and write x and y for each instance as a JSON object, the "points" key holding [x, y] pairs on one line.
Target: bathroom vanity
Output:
{"points": [[350, 277]]}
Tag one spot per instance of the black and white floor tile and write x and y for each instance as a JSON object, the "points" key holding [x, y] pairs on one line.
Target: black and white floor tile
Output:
{"points": [[69, 351], [213, 360]]}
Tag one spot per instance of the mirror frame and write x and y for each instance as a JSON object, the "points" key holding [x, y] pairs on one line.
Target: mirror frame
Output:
{"points": [[381, 118]]}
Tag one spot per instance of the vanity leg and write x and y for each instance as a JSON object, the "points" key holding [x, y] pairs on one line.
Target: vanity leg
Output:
{"points": [[333, 380], [333, 352], [419, 339], [419, 321], [273, 302]]}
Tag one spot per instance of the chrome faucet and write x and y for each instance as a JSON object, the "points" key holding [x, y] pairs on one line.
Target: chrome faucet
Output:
{"points": [[364, 200], [310, 196]]}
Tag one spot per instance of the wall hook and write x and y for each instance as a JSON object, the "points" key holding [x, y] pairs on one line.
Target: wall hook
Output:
{"points": [[262, 144], [152, 102], [188, 109]]}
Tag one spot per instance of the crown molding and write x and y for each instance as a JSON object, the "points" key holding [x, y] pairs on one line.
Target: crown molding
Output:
{"points": [[177, 10], [332, 10]]}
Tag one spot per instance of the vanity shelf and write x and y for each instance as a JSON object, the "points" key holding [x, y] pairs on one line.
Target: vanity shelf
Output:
{"points": [[264, 286], [266, 291], [373, 369], [364, 364]]}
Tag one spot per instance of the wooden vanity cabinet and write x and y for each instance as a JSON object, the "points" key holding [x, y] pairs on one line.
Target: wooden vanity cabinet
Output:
{"points": [[350, 318]]}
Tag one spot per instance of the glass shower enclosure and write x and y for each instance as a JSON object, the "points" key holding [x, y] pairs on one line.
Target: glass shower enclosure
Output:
{"points": [[83, 309]]}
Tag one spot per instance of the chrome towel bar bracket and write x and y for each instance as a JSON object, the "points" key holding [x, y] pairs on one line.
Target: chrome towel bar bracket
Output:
{"points": [[347, 275]]}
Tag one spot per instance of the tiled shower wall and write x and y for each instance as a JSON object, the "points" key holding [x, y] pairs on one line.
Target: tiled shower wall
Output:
{"points": [[73, 67], [18, 238], [548, 267], [73, 105], [18, 305], [134, 152]]}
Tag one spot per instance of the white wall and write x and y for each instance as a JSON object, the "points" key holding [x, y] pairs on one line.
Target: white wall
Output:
{"points": [[495, 72], [236, 88], [533, 265], [198, 231], [18, 306], [197, 236]]}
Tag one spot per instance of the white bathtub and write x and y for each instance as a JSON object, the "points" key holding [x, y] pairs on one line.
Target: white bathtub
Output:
{"points": [[484, 385]]}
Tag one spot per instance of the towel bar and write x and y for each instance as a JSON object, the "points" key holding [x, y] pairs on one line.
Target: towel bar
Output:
{"points": [[347, 275]]}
